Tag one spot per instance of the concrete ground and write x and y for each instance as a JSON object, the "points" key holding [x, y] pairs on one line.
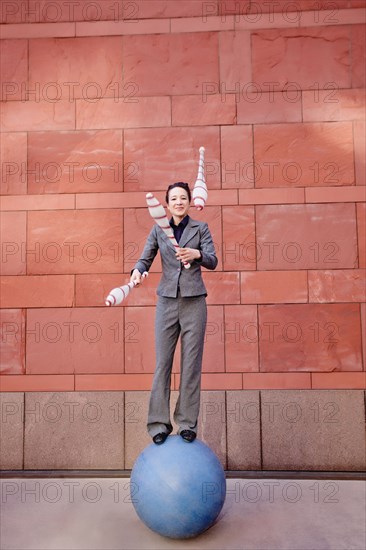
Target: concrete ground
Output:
{"points": [[259, 514]]}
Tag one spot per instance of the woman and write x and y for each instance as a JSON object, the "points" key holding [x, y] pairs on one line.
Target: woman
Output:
{"points": [[181, 310]]}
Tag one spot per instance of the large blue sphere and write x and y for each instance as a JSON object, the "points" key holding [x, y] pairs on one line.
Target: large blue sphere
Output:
{"points": [[178, 488]]}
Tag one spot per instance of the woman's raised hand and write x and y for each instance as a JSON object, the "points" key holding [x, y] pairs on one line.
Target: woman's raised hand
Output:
{"points": [[188, 254]]}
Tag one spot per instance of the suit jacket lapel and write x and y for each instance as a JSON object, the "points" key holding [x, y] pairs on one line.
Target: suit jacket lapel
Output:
{"points": [[189, 231]]}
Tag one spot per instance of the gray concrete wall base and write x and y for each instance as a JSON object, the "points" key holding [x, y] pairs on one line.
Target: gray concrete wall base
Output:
{"points": [[304, 430]]}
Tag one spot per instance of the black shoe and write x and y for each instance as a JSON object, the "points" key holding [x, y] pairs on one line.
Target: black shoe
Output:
{"points": [[188, 435], [158, 439]]}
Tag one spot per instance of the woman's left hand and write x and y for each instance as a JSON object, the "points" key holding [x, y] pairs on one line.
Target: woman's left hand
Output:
{"points": [[188, 254]]}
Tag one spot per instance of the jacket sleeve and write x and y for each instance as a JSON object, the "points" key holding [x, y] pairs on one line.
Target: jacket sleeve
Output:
{"points": [[149, 252], [207, 248]]}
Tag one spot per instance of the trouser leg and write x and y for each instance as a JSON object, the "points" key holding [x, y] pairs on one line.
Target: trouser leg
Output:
{"points": [[166, 335], [193, 319]]}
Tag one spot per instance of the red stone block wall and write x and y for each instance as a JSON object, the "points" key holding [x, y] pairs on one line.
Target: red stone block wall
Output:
{"points": [[108, 100]]}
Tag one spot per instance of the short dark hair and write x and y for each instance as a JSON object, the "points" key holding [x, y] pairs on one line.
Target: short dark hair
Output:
{"points": [[181, 184]]}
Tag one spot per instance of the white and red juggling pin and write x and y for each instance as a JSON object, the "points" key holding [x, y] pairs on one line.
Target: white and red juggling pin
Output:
{"points": [[118, 294], [157, 212], [200, 193]]}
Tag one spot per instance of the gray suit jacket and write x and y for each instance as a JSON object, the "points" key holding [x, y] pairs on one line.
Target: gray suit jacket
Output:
{"points": [[195, 235]]}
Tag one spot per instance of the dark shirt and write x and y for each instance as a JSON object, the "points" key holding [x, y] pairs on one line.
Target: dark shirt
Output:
{"points": [[178, 229]]}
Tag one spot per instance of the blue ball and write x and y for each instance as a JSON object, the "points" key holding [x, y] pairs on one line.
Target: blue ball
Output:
{"points": [[178, 488]]}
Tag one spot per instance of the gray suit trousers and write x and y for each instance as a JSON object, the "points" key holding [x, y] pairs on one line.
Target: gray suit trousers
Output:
{"points": [[184, 317]]}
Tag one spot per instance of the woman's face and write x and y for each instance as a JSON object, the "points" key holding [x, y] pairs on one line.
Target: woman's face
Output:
{"points": [[178, 204]]}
